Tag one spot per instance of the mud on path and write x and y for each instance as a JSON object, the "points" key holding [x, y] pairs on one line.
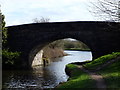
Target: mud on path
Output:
{"points": [[100, 83]]}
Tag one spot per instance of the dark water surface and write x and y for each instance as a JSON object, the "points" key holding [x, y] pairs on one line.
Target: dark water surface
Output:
{"points": [[44, 77]]}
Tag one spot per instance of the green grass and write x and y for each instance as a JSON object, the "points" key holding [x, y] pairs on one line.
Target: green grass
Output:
{"points": [[110, 73], [101, 60], [9, 57], [71, 66], [78, 79]]}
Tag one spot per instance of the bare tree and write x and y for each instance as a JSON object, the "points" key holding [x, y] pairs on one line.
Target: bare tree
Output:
{"points": [[107, 9], [41, 20]]}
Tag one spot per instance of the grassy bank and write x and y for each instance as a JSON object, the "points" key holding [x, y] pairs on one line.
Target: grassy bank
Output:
{"points": [[78, 79], [101, 60], [110, 73]]}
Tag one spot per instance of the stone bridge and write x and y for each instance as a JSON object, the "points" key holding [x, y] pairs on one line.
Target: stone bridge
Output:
{"points": [[101, 37]]}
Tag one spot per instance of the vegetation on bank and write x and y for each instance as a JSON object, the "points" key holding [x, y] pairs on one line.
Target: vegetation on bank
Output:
{"points": [[77, 49], [67, 44], [53, 52], [101, 60], [80, 79], [74, 45], [56, 48], [9, 59], [110, 73]]}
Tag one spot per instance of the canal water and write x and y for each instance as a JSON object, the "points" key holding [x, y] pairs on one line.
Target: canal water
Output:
{"points": [[44, 77]]}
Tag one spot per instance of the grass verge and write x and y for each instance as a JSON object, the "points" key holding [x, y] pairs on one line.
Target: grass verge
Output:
{"points": [[110, 73], [78, 79], [101, 60]]}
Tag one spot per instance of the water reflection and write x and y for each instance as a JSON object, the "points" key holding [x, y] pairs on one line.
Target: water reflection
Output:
{"points": [[23, 79], [41, 77]]}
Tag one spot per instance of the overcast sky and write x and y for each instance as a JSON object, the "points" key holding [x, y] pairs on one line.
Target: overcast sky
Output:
{"points": [[24, 11]]}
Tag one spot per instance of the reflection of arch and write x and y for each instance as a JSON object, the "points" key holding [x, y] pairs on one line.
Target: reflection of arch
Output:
{"points": [[100, 37]]}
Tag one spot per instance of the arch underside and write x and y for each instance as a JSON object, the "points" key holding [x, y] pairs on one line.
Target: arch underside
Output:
{"points": [[56, 36]]}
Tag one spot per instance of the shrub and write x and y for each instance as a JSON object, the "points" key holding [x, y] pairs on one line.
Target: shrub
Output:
{"points": [[9, 58]]}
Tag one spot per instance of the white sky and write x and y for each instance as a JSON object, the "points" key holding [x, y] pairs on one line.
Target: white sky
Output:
{"points": [[24, 11]]}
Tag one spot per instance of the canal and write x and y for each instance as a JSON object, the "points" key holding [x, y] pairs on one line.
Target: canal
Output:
{"points": [[44, 77]]}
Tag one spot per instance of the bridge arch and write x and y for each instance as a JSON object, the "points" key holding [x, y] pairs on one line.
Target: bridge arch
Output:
{"points": [[38, 48]]}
